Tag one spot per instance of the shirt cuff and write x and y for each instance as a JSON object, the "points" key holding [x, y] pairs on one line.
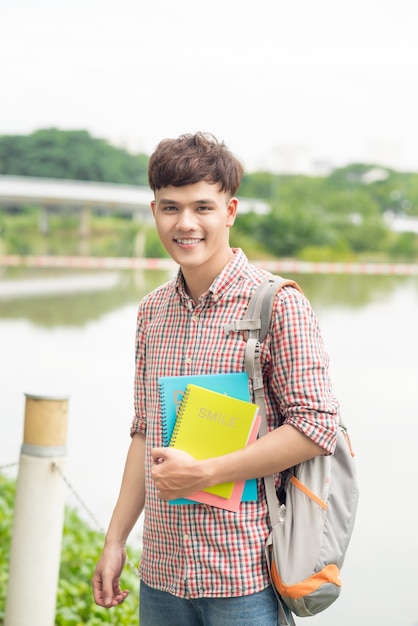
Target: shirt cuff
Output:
{"points": [[138, 426]]}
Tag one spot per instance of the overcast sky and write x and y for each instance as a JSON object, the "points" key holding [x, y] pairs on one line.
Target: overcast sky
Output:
{"points": [[279, 82]]}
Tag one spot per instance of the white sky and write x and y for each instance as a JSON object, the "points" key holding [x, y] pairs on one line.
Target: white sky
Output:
{"points": [[329, 80]]}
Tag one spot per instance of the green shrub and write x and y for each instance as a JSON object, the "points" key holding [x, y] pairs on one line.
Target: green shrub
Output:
{"points": [[7, 495], [81, 548]]}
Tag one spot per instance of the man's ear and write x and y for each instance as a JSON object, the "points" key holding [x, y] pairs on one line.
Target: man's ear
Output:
{"points": [[232, 211], [152, 204]]}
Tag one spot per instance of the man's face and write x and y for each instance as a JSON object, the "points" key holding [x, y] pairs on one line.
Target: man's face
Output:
{"points": [[193, 224]]}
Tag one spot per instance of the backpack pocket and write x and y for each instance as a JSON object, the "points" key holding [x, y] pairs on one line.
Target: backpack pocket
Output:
{"points": [[306, 584]]}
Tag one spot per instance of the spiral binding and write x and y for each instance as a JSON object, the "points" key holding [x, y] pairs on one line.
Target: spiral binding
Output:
{"points": [[179, 417], [163, 417]]}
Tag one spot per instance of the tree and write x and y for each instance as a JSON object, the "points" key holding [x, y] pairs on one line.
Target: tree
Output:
{"points": [[75, 155]]}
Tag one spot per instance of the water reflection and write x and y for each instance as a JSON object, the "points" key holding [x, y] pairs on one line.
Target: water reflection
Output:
{"points": [[351, 291], [74, 306]]}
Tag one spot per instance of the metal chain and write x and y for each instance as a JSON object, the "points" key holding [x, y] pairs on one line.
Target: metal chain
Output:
{"points": [[2, 467], [56, 467]]}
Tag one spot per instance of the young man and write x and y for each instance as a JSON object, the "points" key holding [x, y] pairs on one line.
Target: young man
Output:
{"points": [[202, 564]]}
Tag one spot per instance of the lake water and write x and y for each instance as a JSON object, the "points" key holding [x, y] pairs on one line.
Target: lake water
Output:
{"points": [[77, 338]]}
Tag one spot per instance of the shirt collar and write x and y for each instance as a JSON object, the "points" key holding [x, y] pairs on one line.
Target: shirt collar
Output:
{"points": [[226, 279]]}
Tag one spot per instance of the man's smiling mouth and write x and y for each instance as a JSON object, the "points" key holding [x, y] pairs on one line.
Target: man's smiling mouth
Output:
{"points": [[188, 242]]}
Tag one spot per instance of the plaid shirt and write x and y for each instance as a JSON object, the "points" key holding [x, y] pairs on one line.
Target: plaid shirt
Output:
{"points": [[198, 550]]}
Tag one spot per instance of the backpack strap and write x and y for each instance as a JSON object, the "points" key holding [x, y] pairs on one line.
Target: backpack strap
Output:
{"points": [[260, 308], [261, 303], [255, 326]]}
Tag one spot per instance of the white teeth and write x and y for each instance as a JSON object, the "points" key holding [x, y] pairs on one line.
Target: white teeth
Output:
{"points": [[188, 242]]}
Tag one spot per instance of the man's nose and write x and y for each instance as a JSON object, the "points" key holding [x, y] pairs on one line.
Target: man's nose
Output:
{"points": [[186, 220]]}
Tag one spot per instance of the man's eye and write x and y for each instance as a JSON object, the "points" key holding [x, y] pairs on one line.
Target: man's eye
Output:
{"points": [[204, 208], [170, 209]]}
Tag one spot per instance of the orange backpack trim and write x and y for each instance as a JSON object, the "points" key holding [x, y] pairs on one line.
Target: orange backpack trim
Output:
{"points": [[329, 574], [308, 492]]}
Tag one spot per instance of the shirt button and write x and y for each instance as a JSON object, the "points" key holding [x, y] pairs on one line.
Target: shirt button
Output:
{"points": [[195, 318], [186, 537], [189, 360]]}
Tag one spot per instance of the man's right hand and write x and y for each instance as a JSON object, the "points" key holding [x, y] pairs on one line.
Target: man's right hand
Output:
{"points": [[106, 577]]}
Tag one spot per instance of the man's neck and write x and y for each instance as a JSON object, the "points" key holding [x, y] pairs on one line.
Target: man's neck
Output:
{"points": [[198, 280]]}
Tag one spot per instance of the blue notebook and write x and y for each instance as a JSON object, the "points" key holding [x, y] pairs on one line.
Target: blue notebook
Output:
{"points": [[172, 388]]}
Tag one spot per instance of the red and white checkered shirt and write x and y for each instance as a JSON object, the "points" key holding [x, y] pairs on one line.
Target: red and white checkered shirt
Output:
{"points": [[198, 550]]}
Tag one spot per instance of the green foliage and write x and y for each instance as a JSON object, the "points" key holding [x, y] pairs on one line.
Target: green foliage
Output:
{"points": [[109, 236], [337, 216], [326, 254], [285, 231], [397, 191], [73, 154], [242, 237], [404, 247], [81, 548], [154, 249], [7, 495], [341, 214], [258, 185]]}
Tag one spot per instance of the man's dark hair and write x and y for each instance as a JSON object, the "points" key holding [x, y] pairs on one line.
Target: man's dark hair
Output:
{"points": [[190, 159]]}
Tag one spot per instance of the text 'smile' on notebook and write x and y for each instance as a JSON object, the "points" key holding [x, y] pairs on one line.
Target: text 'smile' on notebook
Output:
{"points": [[211, 424], [172, 388]]}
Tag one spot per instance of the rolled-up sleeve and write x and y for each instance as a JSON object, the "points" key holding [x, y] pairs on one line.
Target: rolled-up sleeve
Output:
{"points": [[139, 422], [299, 374]]}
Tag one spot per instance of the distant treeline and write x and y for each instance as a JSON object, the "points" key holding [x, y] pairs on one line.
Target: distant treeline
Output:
{"points": [[338, 216]]}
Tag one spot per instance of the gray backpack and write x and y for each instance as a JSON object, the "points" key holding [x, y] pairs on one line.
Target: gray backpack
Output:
{"points": [[312, 526]]}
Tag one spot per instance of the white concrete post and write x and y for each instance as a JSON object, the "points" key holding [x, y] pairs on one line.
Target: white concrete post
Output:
{"points": [[84, 228], [38, 515], [140, 240], [44, 221]]}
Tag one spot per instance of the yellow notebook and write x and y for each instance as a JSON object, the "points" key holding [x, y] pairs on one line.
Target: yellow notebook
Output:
{"points": [[212, 424]]}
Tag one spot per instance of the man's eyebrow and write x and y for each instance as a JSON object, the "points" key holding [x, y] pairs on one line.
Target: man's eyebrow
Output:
{"points": [[168, 201]]}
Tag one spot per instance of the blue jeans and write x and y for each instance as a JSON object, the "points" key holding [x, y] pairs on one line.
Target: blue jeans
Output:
{"points": [[158, 608]]}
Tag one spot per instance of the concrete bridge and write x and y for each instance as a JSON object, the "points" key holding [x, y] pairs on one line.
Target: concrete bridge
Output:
{"points": [[85, 197]]}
